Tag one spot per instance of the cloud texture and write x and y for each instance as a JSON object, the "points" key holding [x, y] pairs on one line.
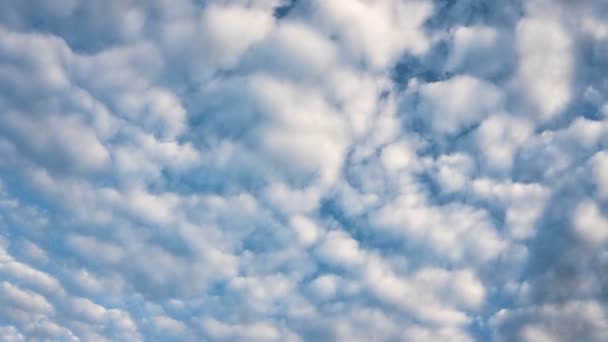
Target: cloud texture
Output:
{"points": [[273, 170]]}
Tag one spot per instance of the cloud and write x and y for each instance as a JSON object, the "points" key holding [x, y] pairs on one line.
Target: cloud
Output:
{"points": [[571, 320], [339, 249], [480, 50], [273, 170], [458, 103], [600, 170], [546, 64], [375, 33], [589, 223]]}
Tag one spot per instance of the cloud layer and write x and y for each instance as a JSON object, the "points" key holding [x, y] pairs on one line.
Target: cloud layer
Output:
{"points": [[272, 170]]}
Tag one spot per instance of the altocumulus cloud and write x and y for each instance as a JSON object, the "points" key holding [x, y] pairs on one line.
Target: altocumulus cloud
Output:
{"points": [[304, 170]]}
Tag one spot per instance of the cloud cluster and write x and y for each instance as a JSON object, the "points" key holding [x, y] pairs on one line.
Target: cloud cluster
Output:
{"points": [[273, 170]]}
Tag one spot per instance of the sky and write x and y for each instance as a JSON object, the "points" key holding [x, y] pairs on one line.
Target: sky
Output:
{"points": [[304, 170]]}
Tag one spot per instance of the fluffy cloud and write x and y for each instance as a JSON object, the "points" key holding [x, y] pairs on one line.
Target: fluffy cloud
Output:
{"points": [[545, 70], [269, 170], [584, 320], [452, 105]]}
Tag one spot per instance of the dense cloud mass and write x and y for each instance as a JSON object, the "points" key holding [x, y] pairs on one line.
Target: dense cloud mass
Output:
{"points": [[304, 170]]}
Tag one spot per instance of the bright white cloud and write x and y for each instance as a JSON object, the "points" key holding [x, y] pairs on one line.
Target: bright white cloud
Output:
{"points": [[458, 103], [579, 320], [589, 223], [546, 63], [274, 170]]}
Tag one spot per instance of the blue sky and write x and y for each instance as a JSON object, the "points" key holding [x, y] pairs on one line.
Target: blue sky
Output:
{"points": [[273, 170]]}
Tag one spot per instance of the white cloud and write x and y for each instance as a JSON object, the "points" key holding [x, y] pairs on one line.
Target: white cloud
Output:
{"points": [[304, 133], [57, 150], [307, 231], [573, 320], [424, 335], [453, 171], [499, 137], [600, 172], [399, 156], [261, 331], [97, 251], [480, 50], [589, 223], [523, 203], [433, 295], [325, 286], [340, 249], [348, 170], [375, 33], [458, 103], [295, 50], [32, 277], [546, 65], [21, 301], [456, 232], [11, 334], [168, 325], [229, 30]]}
